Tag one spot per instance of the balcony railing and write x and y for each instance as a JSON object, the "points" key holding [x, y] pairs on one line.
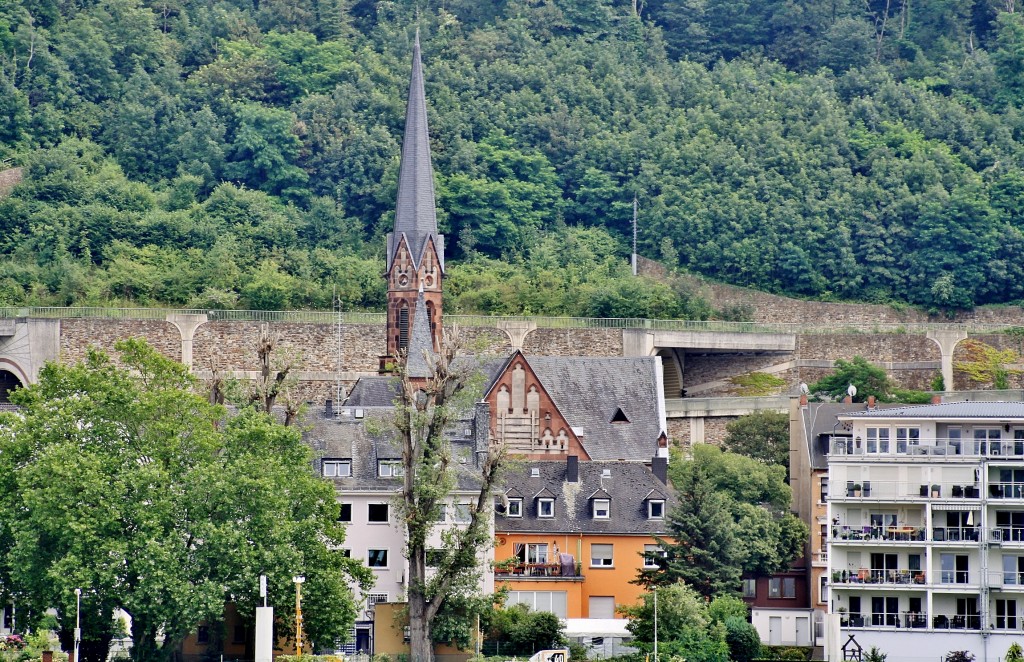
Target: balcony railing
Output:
{"points": [[955, 577], [956, 534], [908, 619], [879, 533], [902, 577], [1006, 535], [507, 571], [891, 489], [1006, 490], [932, 447]]}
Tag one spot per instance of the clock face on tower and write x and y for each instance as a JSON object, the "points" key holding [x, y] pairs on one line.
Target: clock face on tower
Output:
{"points": [[428, 281]]}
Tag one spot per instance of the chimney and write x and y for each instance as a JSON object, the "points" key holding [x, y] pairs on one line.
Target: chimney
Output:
{"points": [[659, 467], [329, 409], [481, 431], [803, 400], [848, 400], [936, 399], [572, 469], [871, 402]]}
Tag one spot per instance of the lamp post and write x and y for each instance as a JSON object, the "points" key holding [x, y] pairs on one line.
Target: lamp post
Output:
{"points": [[78, 621], [298, 579], [655, 624]]}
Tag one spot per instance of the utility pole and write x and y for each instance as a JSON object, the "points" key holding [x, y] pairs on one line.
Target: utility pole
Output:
{"points": [[655, 625], [634, 246], [78, 621]]}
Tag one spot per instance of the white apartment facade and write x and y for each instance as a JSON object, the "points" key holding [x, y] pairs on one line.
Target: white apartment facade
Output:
{"points": [[926, 529]]}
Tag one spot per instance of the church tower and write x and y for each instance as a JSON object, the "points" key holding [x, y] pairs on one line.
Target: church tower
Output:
{"points": [[415, 250]]}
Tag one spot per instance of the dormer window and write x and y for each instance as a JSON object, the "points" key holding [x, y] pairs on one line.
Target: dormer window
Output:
{"points": [[390, 468], [601, 508], [619, 416], [336, 468], [515, 508], [655, 509], [545, 507]]}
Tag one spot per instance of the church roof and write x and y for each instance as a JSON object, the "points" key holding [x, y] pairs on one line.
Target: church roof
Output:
{"points": [[415, 213], [589, 392]]}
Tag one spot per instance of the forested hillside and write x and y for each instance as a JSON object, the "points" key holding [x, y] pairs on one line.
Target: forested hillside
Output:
{"points": [[244, 153]]}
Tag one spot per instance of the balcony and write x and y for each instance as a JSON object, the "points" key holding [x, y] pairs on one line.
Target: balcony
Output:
{"points": [[1006, 535], [879, 533], [538, 571], [904, 577], [911, 620], [1006, 491], [890, 490], [896, 449], [956, 534]]}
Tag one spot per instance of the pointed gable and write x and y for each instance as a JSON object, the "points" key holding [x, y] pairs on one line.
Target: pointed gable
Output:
{"points": [[525, 418]]}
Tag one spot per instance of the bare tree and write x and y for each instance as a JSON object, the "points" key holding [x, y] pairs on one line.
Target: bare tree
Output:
{"points": [[427, 409]]}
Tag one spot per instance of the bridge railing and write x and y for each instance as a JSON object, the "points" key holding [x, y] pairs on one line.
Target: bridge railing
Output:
{"points": [[543, 322]]}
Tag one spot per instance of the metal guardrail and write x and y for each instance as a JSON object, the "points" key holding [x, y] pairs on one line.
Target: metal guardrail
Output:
{"points": [[328, 317]]}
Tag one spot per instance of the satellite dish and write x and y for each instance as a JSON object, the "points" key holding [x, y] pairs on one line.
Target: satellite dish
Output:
{"points": [[804, 389], [851, 390]]}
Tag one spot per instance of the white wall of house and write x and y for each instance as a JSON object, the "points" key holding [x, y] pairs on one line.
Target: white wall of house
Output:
{"points": [[783, 627]]}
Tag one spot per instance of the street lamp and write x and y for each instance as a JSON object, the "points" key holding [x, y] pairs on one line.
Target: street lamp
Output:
{"points": [[298, 579], [655, 624], [78, 621]]}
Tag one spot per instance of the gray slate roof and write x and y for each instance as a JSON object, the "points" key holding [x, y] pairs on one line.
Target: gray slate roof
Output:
{"points": [[627, 487], [958, 410], [352, 439], [374, 392], [415, 214], [588, 391]]}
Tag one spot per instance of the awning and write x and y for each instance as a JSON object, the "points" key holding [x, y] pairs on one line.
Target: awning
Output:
{"points": [[596, 627]]}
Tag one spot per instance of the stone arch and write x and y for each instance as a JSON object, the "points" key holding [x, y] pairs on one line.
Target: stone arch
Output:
{"points": [[672, 372], [8, 382], [947, 340]]}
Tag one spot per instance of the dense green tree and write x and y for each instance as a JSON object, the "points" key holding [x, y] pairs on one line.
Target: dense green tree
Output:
{"points": [[868, 379], [121, 480], [685, 628], [763, 435]]}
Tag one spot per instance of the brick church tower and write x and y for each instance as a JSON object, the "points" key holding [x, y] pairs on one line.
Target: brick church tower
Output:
{"points": [[415, 250]]}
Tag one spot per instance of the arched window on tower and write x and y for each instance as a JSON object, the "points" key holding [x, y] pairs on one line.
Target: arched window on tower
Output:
{"points": [[8, 382], [432, 319], [403, 327]]}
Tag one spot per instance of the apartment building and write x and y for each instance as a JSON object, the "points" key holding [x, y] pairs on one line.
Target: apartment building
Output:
{"points": [[926, 529]]}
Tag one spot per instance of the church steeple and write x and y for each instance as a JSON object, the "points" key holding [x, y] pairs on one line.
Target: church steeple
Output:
{"points": [[415, 250]]}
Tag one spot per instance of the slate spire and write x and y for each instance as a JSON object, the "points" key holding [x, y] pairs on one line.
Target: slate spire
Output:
{"points": [[420, 359], [415, 214]]}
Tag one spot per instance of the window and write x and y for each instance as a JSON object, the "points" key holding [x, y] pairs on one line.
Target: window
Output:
{"points": [[377, 558], [373, 599], [537, 552], [602, 606], [782, 587], [377, 513], [545, 507], [347, 553], [434, 557], [823, 491], [1006, 614], [602, 508], [954, 568], [553, 601], [878, 440], [1013, 570], [656, 509], [651, 555], [442, 513], [823, 590], [336, 468], [907, 437], [203, 634], [345, 514], [750, 588], [885, 611], [462, 514], [600, 556], [986, 439], [238, 635], [515, 508], [390, 468]]}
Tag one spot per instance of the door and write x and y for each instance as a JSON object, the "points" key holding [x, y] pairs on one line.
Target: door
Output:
{"points": [[362, 640], [775, 630], [802, 632]]}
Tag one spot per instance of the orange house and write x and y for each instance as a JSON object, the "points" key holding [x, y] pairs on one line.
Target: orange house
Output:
{"points": [[571, 536]]}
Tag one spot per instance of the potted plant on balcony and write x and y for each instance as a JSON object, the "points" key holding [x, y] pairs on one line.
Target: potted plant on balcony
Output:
{"points": [[1015, 653], [856, 489], [843, 619], [936, 491]]}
